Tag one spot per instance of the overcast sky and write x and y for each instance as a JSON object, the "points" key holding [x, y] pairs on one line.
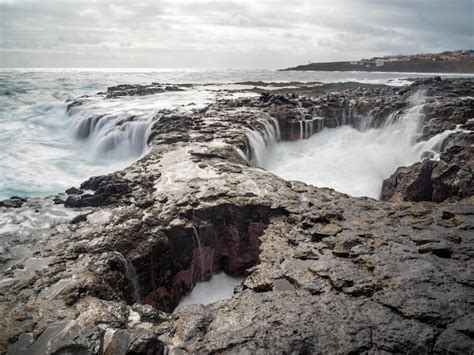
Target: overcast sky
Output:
{"points": [[225, 34]]}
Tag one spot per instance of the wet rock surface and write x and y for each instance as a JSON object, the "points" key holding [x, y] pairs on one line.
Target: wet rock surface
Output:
{"points": [[138, 90], [323, 272], [107, 190], [451, 176]]}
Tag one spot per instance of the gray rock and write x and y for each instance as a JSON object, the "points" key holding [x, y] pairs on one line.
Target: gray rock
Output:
{"points": [[322, 272]]}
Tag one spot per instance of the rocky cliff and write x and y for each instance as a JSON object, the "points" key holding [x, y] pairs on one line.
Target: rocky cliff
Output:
{"points": [[322, 272]]}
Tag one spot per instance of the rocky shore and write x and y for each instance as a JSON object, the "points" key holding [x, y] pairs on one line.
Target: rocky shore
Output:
{"points": [[323, 272], [465, 65]]}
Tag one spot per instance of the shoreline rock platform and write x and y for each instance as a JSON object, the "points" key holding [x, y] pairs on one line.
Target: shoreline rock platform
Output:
{"points": [[323, 272]]}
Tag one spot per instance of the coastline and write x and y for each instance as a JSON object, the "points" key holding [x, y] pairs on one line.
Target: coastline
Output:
{"points": [[314, 261], [465, 66]]}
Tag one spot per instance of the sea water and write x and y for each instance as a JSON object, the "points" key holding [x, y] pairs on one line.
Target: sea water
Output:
{"points": [[355, 161], [220, 287], [41, 149]]}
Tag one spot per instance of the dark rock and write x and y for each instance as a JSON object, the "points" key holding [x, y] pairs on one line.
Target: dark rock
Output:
{"points": [[138, 90], [73, 201], [95, 200], [95, 182], [145, 203], [74, 191], [451, 176], [322, 272], [409, 183], [108, 189], [443, 250], [58, 200], [73, 104], [13, 202], [79, 218]]}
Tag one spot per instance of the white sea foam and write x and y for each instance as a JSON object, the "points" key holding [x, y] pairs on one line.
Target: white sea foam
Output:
{"points": [[354, 161], [40, 153], [44, 150], [220, 287]]}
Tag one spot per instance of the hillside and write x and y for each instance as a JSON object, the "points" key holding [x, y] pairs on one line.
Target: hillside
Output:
{"points": [[446, 62]]}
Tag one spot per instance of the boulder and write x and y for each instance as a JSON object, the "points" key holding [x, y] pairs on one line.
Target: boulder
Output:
{"points": [[431, 180], [411, 183], [108, 189], [13, 202]]}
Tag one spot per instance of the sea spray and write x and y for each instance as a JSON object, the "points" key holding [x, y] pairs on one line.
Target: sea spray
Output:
{"points": [[355, 161], [40, 152]]}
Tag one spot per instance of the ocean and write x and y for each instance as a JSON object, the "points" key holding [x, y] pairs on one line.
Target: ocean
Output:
{"points": [[42, 151]]}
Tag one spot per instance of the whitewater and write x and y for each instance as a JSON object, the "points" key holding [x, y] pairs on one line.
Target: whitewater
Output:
{"points": [[353, 160], [45, 150]]}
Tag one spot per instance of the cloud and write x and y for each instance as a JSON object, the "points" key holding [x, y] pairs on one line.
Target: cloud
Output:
{"points": [[225, 33]]}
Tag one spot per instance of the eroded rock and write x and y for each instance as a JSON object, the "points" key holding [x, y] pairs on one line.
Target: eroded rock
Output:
{"points": [[322, 272], [451, 176]]}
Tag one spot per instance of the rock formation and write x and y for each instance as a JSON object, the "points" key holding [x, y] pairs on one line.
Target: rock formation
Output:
{"points": [[323, 272]]}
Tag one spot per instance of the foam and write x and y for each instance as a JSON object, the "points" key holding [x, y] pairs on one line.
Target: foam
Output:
{"points": [[220, 287]]}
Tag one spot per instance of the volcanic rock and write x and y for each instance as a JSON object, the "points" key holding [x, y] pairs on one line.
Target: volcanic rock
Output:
{"points": [[13, 202], [323, 272]]}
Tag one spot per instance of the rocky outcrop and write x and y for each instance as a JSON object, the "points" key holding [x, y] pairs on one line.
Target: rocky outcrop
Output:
{"points": [[429, 180], [13, 202], [107, 189], [322, 272], [138, 90]]}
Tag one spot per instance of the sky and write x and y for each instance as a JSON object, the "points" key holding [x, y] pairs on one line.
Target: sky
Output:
{"points": [[225, 34]]}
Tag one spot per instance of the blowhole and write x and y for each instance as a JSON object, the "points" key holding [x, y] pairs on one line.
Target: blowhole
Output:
{"points": [[200, 263]]}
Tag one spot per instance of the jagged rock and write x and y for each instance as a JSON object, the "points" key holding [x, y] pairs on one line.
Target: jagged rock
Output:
{"points": [[138, 90], [108, 189], [73, 201], [74, 191], [13, 202], [451, 176], [410, 183]]}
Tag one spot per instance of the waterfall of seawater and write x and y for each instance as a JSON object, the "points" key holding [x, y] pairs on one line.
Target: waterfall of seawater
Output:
{"points": [[112, 136], [118, 129], [199, 248], [261, 140], [131, 275], [350, 160]]}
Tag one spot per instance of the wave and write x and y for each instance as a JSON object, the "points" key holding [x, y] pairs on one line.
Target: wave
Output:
{"points": [[43, 150], [351, 160]]}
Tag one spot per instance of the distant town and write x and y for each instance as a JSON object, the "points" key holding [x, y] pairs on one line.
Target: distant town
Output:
{"points": [[459, 61], [458, 56]]}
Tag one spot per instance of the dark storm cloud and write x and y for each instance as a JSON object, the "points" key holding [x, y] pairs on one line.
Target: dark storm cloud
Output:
{"points": [[225, 34]]}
